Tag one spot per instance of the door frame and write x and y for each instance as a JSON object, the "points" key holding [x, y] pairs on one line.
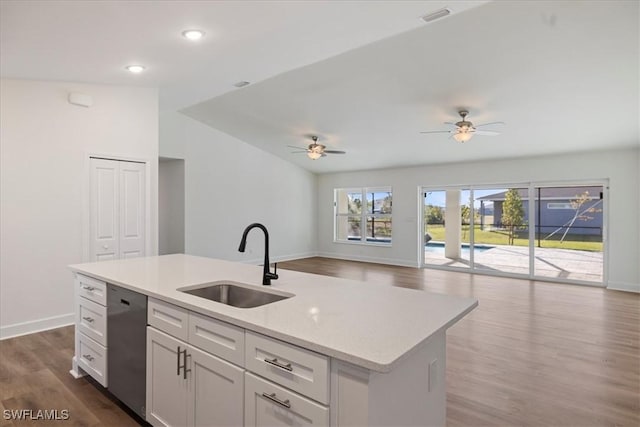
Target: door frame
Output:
{"points": [[86, 199]]}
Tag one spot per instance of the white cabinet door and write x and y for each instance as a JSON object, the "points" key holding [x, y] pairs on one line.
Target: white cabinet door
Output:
{"points": [[216, 391], [267, 404], [117, 220], [167, 389]]}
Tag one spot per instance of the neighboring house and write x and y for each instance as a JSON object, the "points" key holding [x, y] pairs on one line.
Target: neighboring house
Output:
{"points": [[556, 210]]}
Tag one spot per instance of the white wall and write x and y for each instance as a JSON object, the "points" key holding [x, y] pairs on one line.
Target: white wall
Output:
{"points": [[230, 184], [170, 206], [44, 144], [620, 167]]}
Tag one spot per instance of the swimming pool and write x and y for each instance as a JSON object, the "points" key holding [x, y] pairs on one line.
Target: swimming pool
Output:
{"points": [[438, 248]]}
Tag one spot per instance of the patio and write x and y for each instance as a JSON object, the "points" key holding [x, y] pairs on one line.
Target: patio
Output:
{"points": [[552, 263]]}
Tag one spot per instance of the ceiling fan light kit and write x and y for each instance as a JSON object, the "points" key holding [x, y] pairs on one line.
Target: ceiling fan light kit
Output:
{"points": [[465, 130], [314, 150]]}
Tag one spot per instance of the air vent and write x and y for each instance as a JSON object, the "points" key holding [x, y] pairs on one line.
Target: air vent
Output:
{"points": [[436, 15]]}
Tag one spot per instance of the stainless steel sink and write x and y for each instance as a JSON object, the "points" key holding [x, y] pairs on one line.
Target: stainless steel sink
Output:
{"points": [[236, 294]]}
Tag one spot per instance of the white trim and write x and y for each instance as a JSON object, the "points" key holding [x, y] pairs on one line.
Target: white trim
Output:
{"points": [[624, 286], [33, 326], [280, 258], [374, 260]]}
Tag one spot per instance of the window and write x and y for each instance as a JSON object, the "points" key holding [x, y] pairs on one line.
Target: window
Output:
{"points": [[363, 215]]}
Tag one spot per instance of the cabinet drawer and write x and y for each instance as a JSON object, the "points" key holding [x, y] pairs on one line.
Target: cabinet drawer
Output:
{"points": [[219, 338], [92, 358], [168, 318], [294, 367], [267, 404], [93, 289], [92, 320]]}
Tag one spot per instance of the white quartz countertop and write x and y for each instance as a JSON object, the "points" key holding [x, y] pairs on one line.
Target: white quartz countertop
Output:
{"points": [[370, 325]]}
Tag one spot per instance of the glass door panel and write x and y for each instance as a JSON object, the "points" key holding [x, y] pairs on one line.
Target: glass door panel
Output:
{"points": [[569, 233], [443, 228], [501, 233]]}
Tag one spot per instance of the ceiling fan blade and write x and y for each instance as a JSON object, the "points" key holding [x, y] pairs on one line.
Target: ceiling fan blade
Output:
{"points": [[335, 152], [449, 123], [486, 132], [298, 152], [488, 124], [296, 147], [437, 131]]}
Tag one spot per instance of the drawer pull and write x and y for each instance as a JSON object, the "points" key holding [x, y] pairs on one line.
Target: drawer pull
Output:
{"points": [[280, 365], [88, 319], [89, 357], [89, 288], [272, 397]]}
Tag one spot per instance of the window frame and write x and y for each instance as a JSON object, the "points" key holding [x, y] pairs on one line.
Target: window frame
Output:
{"points": [[364, 215]]}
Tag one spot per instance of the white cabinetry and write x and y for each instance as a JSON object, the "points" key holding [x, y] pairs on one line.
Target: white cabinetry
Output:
{"points": [[91, 329], [268, 404], [185, 385]]}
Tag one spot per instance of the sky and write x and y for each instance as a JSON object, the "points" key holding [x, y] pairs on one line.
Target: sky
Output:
{"points": [[437, 198]]}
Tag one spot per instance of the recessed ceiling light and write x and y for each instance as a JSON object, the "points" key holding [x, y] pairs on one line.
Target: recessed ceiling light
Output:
{"points": [[135, 68], [193, 34]]}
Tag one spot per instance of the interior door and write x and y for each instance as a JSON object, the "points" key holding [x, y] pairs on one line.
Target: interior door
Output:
{"points": [[117, 213]]}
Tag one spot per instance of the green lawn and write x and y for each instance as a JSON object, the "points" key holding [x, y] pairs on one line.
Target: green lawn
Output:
{"points": [[500, 237]]}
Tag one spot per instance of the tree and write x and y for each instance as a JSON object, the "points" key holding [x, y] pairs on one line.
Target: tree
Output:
{"points": [[433, 214], [512, 212], [465, 213]]}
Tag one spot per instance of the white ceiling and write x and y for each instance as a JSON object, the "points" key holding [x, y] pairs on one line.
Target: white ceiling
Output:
{"points": [[365, 76]]}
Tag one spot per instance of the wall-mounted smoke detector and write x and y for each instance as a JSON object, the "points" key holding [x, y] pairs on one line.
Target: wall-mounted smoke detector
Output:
{"points": [[441, 13], [241, 84]]}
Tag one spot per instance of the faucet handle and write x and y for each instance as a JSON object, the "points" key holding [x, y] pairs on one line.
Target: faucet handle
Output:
{"points": [[274, 275]]}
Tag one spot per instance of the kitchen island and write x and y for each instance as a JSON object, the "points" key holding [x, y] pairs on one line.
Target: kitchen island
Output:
{"points": [[370, 354]]}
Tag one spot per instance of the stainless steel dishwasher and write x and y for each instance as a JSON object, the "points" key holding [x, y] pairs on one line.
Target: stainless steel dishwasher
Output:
{"points": [[127, 347]]}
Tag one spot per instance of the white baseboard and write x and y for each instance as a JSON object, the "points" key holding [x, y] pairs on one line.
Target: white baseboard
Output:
{"points": [[624, 286], [34, 326], [375, 260], [280, 258]]}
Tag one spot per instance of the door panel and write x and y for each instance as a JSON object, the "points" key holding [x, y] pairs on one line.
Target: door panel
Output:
{"points": [[167, 391], [217, 391], [104, 209], [132, 214]]}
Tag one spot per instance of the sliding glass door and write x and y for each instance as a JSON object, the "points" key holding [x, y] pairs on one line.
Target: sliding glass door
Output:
{"points": [[534, 231], [569, 232]]}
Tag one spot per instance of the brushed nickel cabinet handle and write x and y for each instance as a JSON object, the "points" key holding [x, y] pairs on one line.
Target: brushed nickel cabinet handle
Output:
{"points": [[89, 288], [272, 397], [184, 364], [88, 319], [178, 359], [275, 362], [89, 357]]}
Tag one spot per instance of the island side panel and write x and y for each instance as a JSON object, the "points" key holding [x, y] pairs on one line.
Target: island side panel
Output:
{"points": [[412, 394]]}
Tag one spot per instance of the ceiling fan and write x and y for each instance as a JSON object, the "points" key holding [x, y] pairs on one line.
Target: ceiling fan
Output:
{"points": [[314, 150], [464, 130]]}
